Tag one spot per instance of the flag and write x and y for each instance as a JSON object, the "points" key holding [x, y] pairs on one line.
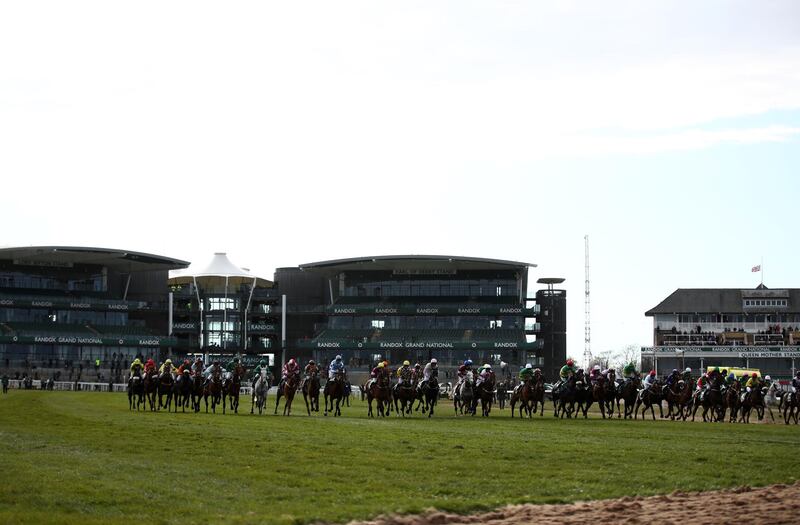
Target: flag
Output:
{"points": [[756, 268]]}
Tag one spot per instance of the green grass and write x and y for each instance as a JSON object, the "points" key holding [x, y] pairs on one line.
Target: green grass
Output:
{"points": [[83, 458]]}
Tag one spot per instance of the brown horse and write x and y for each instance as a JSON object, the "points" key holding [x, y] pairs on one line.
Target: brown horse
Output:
{"points": [[182, 390], [311, 393], [600, 396], [791, 407], [754, 399], [335, 392], [405, 394], [730, 401], [136, 393], [647, 398], [485, 394], [429, 392], [381, 391], [529, 395], [711, 401], [165, 383], [214, 389], [628, 393], [151, 388], [197, 391], [678, 396], [287, 390], [231, 389]]}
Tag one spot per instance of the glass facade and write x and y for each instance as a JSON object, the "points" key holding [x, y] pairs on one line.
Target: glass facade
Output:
{"points": [[79, 281], [424, 322], [463, 284]]}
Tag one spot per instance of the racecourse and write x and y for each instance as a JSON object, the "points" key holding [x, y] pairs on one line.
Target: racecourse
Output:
{"points": [[72, 457]]}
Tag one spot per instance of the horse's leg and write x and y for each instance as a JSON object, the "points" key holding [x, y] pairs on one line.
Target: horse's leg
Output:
{"points": [[278, 400]]}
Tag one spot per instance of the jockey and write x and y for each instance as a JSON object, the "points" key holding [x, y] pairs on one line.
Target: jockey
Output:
{"points": [[796, 382], [290, 369], [649, 380], [230, 368], [197, 367], [673, 377], [744, 379], [716, 374], [730, 380], [150, 366], [629, 372], [166, 368], [416, 374], [702, 382], [462, 371], [404, 373], [753, 382], [487, 374], [566, 371], [377, 372], [136, 368], [526, 373], [431, 370], [186, 365], [687, 375], [311, 369], [595, 374], [262, 365], [336, 366], [214, 368]]}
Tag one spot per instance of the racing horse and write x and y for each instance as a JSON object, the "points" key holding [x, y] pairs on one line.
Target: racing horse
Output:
{"points": [[213, 388], [151, 388], [197, 390], [182, 390], [627, 392], [755, 399], [464, 394], [287, 390], [381, 391], [710, 400], [678, 396], [647, 398], [731, 401], [429, 392], [484, 394], [165, 383], [502, 394], [231, 389], [790, 402], [334, 392], [311, 393], [136, 393], [260, 389], [404, 394], [600, 396]]}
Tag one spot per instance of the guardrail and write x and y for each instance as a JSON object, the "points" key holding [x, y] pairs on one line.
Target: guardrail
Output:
{"points": [[89, 386]]}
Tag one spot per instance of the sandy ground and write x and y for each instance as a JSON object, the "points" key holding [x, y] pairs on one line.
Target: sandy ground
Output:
{"points": [[776, 504]]}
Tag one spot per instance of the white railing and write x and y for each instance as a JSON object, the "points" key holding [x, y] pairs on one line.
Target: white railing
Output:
{"points": [[717, 328]]}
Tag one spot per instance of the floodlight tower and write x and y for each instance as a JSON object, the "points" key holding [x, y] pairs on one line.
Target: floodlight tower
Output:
{"points": [[587, 331]]}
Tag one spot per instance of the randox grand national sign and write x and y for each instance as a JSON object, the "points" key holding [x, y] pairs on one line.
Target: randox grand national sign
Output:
{"points": [[456, 345], [149, 341], [749, 352]]}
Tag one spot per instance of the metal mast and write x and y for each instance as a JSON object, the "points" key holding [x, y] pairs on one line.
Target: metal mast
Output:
{"points": [[587, 334]]}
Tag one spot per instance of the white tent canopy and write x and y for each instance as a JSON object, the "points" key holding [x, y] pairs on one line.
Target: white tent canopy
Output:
{"points": [[219, 271]]}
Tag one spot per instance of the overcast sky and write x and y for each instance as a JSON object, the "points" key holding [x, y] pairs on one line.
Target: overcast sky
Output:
{"points": [[302, 131]]}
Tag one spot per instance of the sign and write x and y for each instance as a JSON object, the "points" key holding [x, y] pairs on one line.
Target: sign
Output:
{"points": [[453, 309], [751, 352], [70, 304], [424, 271], [756, 355], [456, 345], [260, 327], [93, 341]]}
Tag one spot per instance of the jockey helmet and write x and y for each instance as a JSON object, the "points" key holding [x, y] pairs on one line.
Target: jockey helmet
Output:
{"points": [[263, 362], [755, 374], [168, 362], [596, 367], [798, 373], [745, 375], [417, 365], [338, 357], [528, 366], [674, 370], [767, 378], [216, 362], [406, 363], [235, 359], [689, 370], [292, 361], [311, 362], [731, 376], [716, 369], [468, 362], [137, 362], [434, 361], [537, 371], [198, 360], [487, 366], [385, 363], [380, 365], [570, 362]]}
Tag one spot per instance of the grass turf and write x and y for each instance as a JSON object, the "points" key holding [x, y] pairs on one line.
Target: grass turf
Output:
{"points": [[84, 458]]}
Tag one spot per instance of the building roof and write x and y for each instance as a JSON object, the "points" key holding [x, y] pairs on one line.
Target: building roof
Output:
{"points": [[724, 300], [420, 262], [220, 268], [120, 260]]}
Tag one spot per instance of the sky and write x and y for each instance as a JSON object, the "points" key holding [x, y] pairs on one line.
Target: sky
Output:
{"points": [[292, 132]]}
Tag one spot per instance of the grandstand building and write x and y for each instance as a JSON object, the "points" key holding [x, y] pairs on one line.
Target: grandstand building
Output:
{"points": [[417, 307], [751, 328], [222, 309], [65, 307]]}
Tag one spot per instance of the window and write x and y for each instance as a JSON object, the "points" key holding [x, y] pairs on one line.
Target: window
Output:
{"points": [[378, 323]]}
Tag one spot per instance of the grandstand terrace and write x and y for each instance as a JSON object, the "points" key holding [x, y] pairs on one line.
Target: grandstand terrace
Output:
{"points": [[64, 307], [413, 307], [745, 328]]}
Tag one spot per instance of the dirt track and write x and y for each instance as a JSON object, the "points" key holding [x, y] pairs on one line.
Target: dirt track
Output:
{"points": [[776, 504]]}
